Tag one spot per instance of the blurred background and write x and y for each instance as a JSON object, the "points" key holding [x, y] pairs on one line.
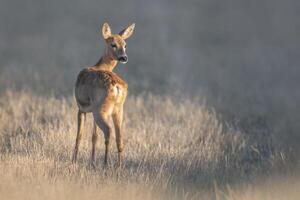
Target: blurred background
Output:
{"points": [[240, 57]]}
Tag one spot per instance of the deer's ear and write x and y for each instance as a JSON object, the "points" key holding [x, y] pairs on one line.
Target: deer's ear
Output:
{"points": [[127, 32], [106, 31]]}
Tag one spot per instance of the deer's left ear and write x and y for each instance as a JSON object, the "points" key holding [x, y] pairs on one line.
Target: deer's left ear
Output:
{"points": [[127, 32]]}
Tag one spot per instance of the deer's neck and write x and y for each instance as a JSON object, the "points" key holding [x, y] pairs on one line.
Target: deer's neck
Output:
{"points": [[106, 63]]}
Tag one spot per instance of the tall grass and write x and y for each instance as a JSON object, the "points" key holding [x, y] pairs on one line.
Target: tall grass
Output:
{"points": [[175, 148]]}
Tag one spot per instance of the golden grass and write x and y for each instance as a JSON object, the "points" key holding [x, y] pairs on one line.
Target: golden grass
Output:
{"points": [[175, 149]]}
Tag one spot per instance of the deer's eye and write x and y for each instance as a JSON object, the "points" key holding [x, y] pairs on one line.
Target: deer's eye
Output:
{"points": [[125, 46], [113, 46]]}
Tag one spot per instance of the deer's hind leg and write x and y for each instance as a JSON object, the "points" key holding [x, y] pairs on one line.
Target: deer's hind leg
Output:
{"points": [[117, 116], [118, 119], [101, 117], [81, 117]]}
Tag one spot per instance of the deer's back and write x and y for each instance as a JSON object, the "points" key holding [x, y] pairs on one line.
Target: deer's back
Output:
{"points": [[92, 86]]}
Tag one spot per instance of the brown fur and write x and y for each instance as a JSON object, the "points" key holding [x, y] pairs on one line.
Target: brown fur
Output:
{"points": [[102, 92]]}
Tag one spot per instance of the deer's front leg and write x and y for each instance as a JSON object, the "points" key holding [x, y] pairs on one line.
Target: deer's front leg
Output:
{"points": [[94, 144]]}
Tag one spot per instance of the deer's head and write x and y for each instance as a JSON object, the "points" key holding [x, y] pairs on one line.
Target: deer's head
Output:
{"points": [[115, 43]]}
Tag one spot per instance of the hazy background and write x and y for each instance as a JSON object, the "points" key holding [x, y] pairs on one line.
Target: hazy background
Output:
{"points": [[242, 57]]}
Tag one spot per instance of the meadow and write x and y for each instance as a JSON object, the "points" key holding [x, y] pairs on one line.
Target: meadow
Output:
{"points": [[176, 148], [212, 111]]}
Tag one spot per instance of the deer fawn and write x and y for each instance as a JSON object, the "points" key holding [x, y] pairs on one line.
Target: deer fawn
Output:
{"points": [[102, 92]]}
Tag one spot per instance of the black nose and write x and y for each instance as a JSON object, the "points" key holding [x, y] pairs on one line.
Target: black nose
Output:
{"points": [[123, 59]]}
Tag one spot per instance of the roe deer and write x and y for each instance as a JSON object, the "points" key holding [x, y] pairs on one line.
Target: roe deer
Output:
{"points": [[102, 92]]}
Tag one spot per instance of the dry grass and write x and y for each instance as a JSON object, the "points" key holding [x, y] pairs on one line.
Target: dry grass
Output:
{"points": [[175, 149], [272, 189]]}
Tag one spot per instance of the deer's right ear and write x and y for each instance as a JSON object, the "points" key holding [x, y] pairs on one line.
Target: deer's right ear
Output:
{"points": [[127, 32], [106, 31]]}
